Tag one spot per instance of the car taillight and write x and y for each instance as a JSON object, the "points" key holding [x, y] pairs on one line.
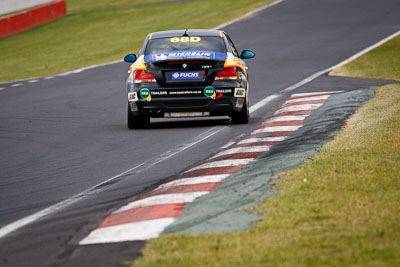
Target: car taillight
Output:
{"points": [[142, 76], [229, 73]]}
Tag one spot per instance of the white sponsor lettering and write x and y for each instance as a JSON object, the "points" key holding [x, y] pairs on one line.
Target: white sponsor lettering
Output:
{"points": [[189, 75], [184, 92], [159, 93], [224, 91], [185, 75]]}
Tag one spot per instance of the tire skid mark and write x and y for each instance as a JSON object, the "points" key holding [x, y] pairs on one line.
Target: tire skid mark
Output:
{"points": [[152, 212]]}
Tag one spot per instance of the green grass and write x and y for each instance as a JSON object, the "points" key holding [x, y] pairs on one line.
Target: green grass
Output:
{"points": [[379, 63], [99, 31], [346, 214]]}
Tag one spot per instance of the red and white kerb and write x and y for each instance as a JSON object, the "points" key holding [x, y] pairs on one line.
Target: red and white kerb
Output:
{"points": [[151, 213]]}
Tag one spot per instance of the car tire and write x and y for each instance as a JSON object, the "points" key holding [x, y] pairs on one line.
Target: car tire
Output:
{"points": [[137, 122], [243, 116]]}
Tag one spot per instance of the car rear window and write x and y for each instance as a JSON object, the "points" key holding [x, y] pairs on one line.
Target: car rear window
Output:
{"points": [[204, 43]]}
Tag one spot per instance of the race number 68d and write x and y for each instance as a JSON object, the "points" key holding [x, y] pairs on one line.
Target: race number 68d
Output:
{"points": [[185, 39]]}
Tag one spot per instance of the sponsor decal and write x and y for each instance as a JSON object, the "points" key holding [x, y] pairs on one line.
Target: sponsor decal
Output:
{"points": [[239, 103], [184, 54], [185, 92], [185, 39], [224, 91], [240, 92], [158, 93], [209, 91], [186, 75], [132, 96], [145, 94]]}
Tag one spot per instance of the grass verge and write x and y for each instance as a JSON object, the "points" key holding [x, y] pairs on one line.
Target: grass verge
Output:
{"points": [[379, 63], [348, 211], [99, 31]]}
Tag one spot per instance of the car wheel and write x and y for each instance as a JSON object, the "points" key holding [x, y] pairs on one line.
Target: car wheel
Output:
{"points": [[137, 122], [242, 117]]}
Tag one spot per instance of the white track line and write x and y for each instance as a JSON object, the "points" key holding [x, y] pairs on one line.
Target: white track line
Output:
{"points": [[239, 150], [127, 232], [16, 84], [227, 145], [102, 186], [344, 62], [221, 163], [277, 129], [194, 180], [69, 72], [263, 102], [263, 139], [249, 14], [162, 199], [33, 81]]}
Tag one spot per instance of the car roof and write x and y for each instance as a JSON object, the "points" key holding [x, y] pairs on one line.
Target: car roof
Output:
{"points": [[190, 32]]}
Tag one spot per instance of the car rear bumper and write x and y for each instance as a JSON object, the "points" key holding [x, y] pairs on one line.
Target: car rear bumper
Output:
{"points": [[188, 101], [225, 105]]}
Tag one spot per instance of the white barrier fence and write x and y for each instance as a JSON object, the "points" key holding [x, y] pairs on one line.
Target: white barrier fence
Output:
{"points": [[8, 6]]}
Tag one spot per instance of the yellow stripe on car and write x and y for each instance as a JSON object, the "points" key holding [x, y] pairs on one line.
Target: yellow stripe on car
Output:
{"points": [[139, 64]]}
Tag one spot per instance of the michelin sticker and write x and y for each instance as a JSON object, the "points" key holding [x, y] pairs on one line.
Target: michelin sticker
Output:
{"points": [[145, 94], [184, 54]]}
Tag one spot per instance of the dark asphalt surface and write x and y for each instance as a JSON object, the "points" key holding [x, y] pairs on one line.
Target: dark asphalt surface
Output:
{"points": [[60, 137]]}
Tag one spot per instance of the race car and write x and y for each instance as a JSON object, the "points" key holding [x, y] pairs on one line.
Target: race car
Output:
{"points": [[187, 73]]}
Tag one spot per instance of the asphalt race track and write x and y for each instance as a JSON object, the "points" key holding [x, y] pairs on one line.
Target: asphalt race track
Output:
{"points": [[62, 136]]}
